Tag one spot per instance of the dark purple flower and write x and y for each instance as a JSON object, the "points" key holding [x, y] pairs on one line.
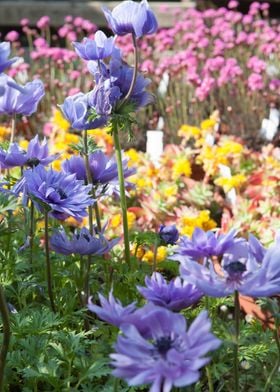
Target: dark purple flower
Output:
{"points": [[60, 193], [82, 243], [168, 354], [111, 310], [240, 271], [103, 169], [36, 154], [131, 17], [20, 99], [97, 49], [168, 234], [176, 295], [5, 50], [206, 244]]}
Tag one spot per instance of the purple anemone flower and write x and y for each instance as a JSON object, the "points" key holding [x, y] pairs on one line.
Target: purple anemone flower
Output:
{"points": [[20, 99], [168, 354], [207, 244], [176, 295], [60, 193], [82, 243], [76, 110], [97, 49], [120, 75], [240, 271], [36, 154], [111, 310], [104, 170], [169, 234], [5, 50], [131, 17]]}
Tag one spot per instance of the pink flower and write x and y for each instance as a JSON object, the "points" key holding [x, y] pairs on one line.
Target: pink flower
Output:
{"points": [[43, 22], [40, 43], [24, 22], [256, 65], [233, 4], [12, 36], [255, 82]]}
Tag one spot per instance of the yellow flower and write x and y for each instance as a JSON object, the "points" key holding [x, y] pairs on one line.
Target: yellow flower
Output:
{"points": [[4, 131], [23, 144], [101, 136], [134, 157], [116, 220], [201, 219], [59, 121], [161, 255], [139, 253], [181, 167], [208, 124], [189, 131], [229, 147], [171, 190], [228, 183]]}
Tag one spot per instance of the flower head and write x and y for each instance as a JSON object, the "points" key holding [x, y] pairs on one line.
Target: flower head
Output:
{"points": [[169, 234], [5, 50], [36, 154], [173, 296], [60, 193], [111, 310], [167, 353], [82, 243], [20, 99], [104, 170], [97, 49], [206, 244], [241, 270], [131, 17]]}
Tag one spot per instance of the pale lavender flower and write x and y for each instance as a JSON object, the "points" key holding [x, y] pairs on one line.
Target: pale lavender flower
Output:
{"points": [[167, 354], [5, 50], [97, 49], [18, 99], [37, 153], [81, 242], [206, 244], [240, 271], [131, 17], [61, 194], [176, 295], [111, 310]]}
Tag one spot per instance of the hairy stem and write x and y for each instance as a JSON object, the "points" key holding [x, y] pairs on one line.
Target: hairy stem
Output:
{"points": [[6, 336], [48, 263], [31, 231], [236, 343], [122, 194], [277, 363], [134, 77], [13, 128]]}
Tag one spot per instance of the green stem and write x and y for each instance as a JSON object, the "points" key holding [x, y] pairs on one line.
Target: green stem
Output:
{"points": [[122, 194], [6, 336], [208, 368], [48, 263], [236, 342], [89, 180], [13, 128], [31, 231], [155, 256], [277, 363], [134, 77], [116, 384]]}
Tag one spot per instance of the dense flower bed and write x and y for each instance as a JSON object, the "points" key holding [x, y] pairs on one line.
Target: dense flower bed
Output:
{"points": [[121, 271]]}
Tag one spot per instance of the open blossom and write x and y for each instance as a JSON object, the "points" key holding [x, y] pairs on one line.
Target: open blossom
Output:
{"points": [[37, 153], [5, 50], [241, 270], [103, 169], [81, 242], [20, 99], [167, 354], [207, 244], [60, 193], [131, 17], [176, 295], [97, 49]]}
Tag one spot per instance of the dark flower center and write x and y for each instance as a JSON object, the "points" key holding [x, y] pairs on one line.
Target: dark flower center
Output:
{"points": [[235, 267], [62, 194], [32, 162], [163, 344], [86, 237]]}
